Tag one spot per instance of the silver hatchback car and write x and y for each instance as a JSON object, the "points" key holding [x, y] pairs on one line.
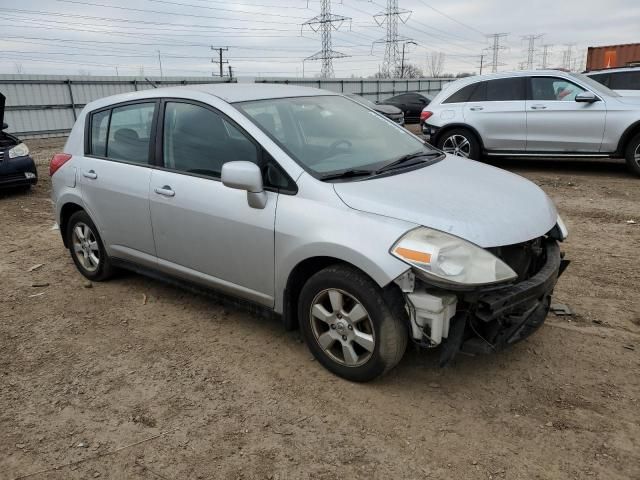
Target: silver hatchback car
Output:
{"points": [[307, 204]]}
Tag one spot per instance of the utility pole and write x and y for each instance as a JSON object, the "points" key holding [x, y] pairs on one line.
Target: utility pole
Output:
{"points": [[531, 50], [566, 56], [389, 18], [220, 62], [326, 22], [495, 49], [230, 72], [404, 44], [160, 63], [482, 55], [546, 54]]}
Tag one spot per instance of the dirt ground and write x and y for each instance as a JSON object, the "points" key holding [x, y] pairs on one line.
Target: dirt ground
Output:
{"points": [[136, 379]]}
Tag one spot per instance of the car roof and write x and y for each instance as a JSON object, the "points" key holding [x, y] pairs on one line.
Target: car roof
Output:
{"points": [[517, 73], [229, 92]]}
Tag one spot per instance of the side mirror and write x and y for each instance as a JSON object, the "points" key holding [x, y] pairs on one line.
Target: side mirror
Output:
{"points": [[586, 97], [245, 176]]}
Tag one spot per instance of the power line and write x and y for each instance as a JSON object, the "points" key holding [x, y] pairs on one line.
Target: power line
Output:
{"points": [[326, 22]]}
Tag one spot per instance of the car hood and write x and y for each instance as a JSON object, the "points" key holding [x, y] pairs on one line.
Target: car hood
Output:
{"points": [[388, 109], [482, 204], [629, 100]]}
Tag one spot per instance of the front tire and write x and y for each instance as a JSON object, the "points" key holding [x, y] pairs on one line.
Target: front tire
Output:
{"points": [[87, 249], [632, 154], [460, 142], [348, 326]]}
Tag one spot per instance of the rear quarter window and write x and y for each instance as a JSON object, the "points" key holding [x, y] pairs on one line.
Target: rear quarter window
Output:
{"points": [[98, 133], [463, 95]]}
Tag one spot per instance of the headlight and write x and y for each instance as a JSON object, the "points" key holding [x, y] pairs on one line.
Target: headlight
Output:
{"points": [[20, 150], [450, 259]]}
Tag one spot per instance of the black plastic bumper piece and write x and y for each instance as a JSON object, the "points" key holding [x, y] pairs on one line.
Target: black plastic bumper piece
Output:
{"points": [[12, 172]]}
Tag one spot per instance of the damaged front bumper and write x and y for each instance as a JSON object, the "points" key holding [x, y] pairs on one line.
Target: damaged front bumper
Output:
{"points": [[487, 319]]}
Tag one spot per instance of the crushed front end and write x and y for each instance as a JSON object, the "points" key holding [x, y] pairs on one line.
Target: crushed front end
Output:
{"points": [[486, 319]]}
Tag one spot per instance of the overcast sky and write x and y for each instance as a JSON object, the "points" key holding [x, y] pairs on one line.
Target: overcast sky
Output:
{"points": [[105, 37]]}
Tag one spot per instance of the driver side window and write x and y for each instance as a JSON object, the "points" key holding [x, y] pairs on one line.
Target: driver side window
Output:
{"points": [[198, 140]]}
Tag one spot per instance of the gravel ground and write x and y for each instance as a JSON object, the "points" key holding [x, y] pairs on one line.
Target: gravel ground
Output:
{"points": [[136, 379]]}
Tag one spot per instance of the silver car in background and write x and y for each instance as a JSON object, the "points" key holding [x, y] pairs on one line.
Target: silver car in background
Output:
{"points": [[534, 114], [309, 205]]}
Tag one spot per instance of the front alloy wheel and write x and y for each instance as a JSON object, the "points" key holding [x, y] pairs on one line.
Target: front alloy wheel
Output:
{"points": [[342, 327], [352, 327]]}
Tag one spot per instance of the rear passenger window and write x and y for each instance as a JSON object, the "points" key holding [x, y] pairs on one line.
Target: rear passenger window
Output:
{"points": [[480, 93], [130, 132], [198, 140], [463, 95], [506, 89], [625, 81], [99, 128]]}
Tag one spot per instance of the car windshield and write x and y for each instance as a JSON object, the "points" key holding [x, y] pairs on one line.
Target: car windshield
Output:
{"points": [[595, 85], [331, 134]]}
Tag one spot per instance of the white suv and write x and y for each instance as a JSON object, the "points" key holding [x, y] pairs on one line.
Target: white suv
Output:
{"points": [[534, 113]]}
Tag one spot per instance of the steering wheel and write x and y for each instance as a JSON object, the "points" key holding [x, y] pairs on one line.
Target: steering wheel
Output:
{"points": [[333, 149]]}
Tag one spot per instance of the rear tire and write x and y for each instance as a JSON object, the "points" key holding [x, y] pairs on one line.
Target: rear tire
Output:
{"points": [[460, 142], [632, 154], [348, 326], [87, 249]]}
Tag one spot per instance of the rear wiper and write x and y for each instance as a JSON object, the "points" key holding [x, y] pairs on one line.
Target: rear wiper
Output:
{"points": [[347, 174], [407, 158]]}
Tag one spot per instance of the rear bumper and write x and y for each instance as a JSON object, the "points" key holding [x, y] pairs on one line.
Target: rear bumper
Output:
{"points": [[429, 132], [18, 172], [495, 319]]}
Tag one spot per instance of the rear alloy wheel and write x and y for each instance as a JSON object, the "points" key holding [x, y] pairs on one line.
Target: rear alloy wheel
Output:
{"points": [[348, 326], [86, 248], [461, 143], [632, 155]]}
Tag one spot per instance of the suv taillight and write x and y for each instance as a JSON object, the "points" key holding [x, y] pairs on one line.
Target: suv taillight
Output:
{"points": [[424, 115], [57, 161]]}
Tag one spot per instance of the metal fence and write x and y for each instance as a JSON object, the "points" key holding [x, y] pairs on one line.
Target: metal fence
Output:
{"points": [[370, 88], [40, 106]]}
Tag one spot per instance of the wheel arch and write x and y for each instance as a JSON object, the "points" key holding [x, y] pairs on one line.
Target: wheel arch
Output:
{"points": [[66, 211], [626, 137], [304, 270], [452, 126]]}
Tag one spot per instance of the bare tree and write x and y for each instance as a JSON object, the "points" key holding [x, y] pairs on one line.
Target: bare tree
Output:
{"points": [[435, 63], [409, 71]]}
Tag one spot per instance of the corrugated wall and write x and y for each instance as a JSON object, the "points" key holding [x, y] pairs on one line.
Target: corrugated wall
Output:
{"points": [[40, 106], [372, 89]]}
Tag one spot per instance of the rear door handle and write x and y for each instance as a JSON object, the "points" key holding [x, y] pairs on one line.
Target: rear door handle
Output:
{"points": [[476, 109], [538, 107], [90, 174], [165, 191]]}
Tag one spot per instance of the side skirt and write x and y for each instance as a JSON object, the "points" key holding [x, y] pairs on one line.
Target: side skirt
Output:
{"points": [[223, 298]]}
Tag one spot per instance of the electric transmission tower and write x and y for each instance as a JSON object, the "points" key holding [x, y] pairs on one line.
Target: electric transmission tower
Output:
{"points": [[495, 49], [567, 56], [389, 18], [326, 22], [531, 49], [546, 54]]}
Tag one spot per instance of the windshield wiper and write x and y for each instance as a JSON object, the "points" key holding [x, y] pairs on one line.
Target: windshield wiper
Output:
{"points": [[407, 158], [347, 174]]}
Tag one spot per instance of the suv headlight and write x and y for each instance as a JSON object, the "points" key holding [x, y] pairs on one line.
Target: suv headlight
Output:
{"points": [[450, 259], [20, 150]]}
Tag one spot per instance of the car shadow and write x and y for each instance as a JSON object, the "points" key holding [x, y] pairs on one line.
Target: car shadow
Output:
{"points": [[11, 192], [616, 167]]}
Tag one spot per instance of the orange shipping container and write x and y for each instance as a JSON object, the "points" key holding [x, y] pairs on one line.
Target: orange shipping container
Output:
{"points": [[613, 56]]}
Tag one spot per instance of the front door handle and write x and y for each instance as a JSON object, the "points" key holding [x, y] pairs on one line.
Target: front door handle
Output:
{"points": [[476, 109], [90, 174], [165, 191], [538, 107]]}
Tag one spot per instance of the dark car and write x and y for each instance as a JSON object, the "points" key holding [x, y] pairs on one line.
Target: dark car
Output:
{"points": [[389, 111], [410, 103], [17, 168]]}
